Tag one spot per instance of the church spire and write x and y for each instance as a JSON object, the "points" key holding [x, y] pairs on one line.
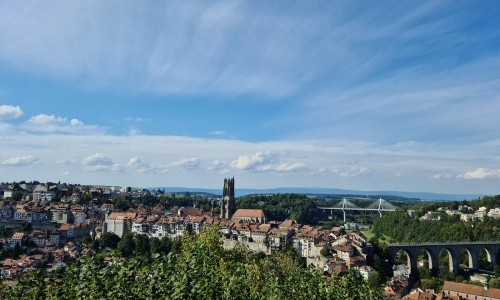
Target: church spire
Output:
{"points": [[228, 203]]}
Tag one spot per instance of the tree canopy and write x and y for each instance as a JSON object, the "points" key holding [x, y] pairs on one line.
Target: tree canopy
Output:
{"points": [[202, 270]]}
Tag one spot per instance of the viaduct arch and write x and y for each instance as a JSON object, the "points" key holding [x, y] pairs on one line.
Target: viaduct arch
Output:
{"points": [[453, 249]]}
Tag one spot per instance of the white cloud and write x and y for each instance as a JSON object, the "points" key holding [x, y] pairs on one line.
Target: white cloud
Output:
{"points": [[184, 164], [133, 131], [76, 122], [290, 167], [137, 164], [43, 119], [18, 161], [264, 161], [10, 112], [67, 161], [347, 171], [44, 123], [256, 161], [482, 173], [288, 163], [217, 165], [98, 159], [100, 162], [116, 168], [444, 176]]}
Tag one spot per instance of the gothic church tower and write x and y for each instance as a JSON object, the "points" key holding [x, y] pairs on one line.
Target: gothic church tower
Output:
{"points": [[228, 203]]}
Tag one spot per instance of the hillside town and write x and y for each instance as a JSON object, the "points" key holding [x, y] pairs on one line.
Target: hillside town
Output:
{"points": [[49, 225]]}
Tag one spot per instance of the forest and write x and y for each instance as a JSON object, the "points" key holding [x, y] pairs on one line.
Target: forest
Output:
{"points": [[400, 227], [201, 269], [284, 206]]}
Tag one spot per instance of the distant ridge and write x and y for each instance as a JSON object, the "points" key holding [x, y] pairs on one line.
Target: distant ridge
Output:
{"points": [[329, 191]]}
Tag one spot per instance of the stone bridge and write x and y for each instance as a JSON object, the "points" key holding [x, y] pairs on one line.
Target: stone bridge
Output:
{"points": [[453, 249]]}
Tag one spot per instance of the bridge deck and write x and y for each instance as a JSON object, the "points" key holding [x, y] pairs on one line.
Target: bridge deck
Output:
{"points": [[349, 208], [443, 244]]}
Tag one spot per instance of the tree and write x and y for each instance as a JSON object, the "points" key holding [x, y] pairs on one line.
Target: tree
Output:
{"points": [[109, 240], [141, 245], [17, 251], [126, 245], [165, 245], [17, 196], [154, 245], [86, 240], [375, 280], [202, 270]]}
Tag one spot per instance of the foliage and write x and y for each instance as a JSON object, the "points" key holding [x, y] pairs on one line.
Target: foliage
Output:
{"points": [[202, 270], [109, 240], [283, 206], [402, 228]]}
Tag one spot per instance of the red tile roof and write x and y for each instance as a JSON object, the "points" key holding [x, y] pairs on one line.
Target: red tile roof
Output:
{"points": [[249, 213], [471, 289]]}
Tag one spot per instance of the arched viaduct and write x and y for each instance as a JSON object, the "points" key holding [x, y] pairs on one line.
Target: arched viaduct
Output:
{"points": [[453, 249]]}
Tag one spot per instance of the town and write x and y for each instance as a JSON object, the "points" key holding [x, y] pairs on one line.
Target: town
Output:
{"points": [[51, 224]]}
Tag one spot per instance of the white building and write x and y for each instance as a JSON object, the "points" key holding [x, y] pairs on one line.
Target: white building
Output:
{"points": [[118, 223]]}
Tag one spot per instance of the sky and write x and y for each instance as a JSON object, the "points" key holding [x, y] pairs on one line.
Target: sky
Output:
{"points": [[367, 95]]}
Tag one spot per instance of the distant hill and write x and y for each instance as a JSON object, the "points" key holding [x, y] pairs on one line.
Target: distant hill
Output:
{"points": [[329, 191]]}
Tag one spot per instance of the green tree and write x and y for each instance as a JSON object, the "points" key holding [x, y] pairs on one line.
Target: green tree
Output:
{"points": [[17, 196], [141, 245], [154, 245], [109, 240], [126, 245], [202, 270]]}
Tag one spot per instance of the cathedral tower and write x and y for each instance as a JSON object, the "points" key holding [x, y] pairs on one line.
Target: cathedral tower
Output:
{"points": [[228, 203]]}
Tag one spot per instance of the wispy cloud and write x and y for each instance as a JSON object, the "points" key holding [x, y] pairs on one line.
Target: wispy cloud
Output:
{"points": [[137, 164], [323, 93], [217, 132], [482, 173], [55, 124], [192, 163], [97, 159], [264, 161], [44, 119], [299, 163], [19, 161]]}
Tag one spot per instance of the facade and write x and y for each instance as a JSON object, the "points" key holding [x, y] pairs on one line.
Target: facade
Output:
{"points": [[61, 214], [249, 216], [119, 223], [228, 202], [44, 196], [469, 291], [8, 194]]}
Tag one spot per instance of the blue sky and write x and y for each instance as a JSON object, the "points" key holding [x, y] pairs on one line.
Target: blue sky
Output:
{"points": [[347, 94]]}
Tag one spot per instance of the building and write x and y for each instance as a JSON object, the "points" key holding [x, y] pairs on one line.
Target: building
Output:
{"points": [[469, 291], [419, 294], [228, 202], [366, 271], [396, 287], [7, 194], [44, 196], [61, 214], [249, 216], [468, 217], [494, 213], [481, 212], [119, 223]]}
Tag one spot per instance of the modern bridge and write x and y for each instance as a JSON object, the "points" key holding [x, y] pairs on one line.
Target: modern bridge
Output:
{"points": [[453, 249], [345, 205]]}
